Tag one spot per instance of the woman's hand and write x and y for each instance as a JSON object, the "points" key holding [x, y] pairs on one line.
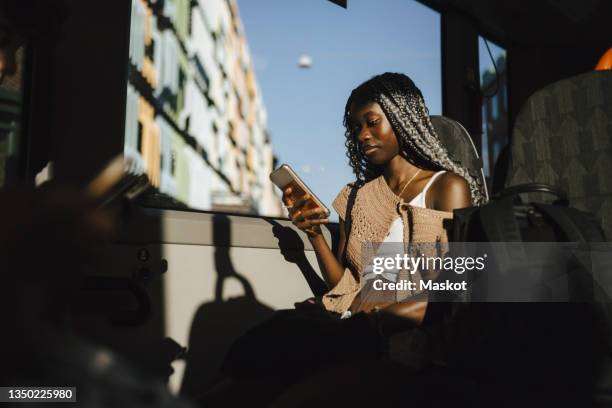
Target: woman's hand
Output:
{"points": [[308, 220]]}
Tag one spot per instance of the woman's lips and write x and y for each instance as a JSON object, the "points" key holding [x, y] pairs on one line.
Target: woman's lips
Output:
{"points": [[369, 149]]}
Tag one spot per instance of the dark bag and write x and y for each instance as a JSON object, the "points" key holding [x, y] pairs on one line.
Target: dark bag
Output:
{"points": [[531, 349], [507, 219]]}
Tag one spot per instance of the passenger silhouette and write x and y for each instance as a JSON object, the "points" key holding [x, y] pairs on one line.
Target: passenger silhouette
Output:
{"points": [[47, 238]]}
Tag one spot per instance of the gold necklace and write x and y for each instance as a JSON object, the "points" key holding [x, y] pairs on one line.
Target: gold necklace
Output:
{"points": [[409, 181]]}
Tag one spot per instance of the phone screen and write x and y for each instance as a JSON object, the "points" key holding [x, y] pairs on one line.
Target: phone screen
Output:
{"points": [[297, 192]]}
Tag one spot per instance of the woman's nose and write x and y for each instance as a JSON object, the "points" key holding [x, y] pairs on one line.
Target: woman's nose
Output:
{"points": [[364, 135]]}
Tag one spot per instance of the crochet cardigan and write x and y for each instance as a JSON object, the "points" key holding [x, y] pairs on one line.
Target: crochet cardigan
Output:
{"points": [[375, 207]]}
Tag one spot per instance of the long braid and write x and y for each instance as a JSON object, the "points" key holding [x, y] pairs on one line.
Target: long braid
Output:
{"points": [[403, 105]]}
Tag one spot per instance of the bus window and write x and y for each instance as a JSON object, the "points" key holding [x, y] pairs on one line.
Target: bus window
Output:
{"points": [[494, 89], [219, 91]]}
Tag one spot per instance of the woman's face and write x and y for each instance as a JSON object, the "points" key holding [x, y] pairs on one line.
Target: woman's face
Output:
{"points": [[373, 132]]}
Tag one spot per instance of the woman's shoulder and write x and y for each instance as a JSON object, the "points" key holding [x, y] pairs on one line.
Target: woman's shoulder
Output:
{"points": [[450, 191], [345, 191], [450, 179], [341, 201]]}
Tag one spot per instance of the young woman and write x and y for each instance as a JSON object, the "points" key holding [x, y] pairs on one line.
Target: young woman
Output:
{"points": [[408, 186], [404, 173]]}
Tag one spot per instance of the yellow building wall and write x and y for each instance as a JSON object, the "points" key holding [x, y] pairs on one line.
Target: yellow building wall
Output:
{"points": [[150, 143], [148, 67]]}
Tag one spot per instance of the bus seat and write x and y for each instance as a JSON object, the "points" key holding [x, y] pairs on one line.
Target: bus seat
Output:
{"points": [[459, 145], [563, 136], [500, 170]]}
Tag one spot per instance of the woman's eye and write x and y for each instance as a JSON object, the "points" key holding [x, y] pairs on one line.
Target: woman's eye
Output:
{"points": [[373, 122]]}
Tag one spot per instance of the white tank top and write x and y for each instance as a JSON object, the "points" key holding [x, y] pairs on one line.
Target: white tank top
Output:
{"points": [[396, 231]]}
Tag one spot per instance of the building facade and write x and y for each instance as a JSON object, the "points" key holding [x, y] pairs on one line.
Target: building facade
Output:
{"points": [[195, 118]]}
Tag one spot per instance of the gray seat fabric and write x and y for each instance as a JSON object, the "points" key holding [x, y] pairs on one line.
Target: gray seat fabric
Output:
{"points": [[563, 136], [459, 145]]}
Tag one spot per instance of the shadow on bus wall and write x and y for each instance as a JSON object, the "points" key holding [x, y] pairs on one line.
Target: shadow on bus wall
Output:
{"points": [[292, 248], [218, 323]]}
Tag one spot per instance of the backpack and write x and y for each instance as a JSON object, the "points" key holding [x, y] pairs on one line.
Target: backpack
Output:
{"points": [[539, 351]]}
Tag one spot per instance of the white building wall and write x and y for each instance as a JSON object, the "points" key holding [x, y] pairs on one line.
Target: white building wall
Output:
{"points": [[137, 48], [242, 134], [214, 153], [201, 43], [199, 181], [169, 72], [200, 118], [158, 48], [211, 11], [167, 182], [272, 203], [170, 11], [131, 118], [131, 150], [225, 17]]}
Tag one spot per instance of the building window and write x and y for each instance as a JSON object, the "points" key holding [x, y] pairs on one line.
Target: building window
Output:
{"points": [[181, 90], [173, 163], [139, 140], [150, 50]]}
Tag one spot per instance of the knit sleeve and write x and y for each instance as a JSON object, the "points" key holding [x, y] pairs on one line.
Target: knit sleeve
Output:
{"points": [[341, 201]]}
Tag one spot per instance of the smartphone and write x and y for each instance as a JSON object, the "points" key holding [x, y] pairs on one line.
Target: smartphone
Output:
{"points": [[285, 177]]}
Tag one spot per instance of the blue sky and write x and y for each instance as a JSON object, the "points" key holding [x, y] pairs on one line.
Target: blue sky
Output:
{"points": [[305, 106]]}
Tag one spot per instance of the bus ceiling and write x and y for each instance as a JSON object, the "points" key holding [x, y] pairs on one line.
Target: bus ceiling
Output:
{"points": [[546, 22]]}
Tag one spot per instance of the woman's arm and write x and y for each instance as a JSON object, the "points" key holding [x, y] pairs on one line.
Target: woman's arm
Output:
{"points": [[330, 265]]}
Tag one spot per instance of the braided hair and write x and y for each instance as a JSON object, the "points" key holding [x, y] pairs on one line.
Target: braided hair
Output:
{"points": [[404, 106]]}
